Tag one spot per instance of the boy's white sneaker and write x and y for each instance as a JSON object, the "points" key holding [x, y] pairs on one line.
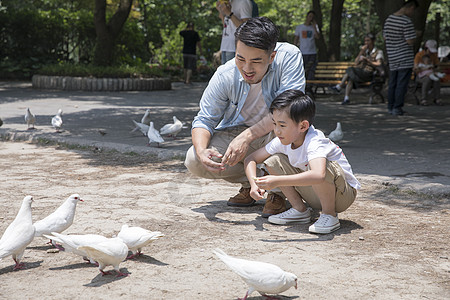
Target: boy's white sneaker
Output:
{"points": [[325, 224], [434, 77], [291, 216]]}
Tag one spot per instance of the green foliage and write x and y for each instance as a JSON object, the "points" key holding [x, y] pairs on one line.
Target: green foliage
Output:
{"points": [[170, 51]]}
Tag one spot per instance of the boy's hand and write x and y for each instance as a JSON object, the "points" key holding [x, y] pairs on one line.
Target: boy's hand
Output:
{"points": [[266, 182], [257, 193]]}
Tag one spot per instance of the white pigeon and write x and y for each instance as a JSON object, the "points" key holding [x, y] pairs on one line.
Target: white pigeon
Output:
{"points": [[70, 243], [19, 234], [108, 253], [146, 118], [60, 219], [153, 135], [30, 119], [337, 134], [172, 129], [141, 127], [57, 120], [137, 238], [262, 277]]}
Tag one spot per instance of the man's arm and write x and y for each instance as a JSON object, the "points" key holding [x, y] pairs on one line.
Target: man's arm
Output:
{"points": [[225, 10]]}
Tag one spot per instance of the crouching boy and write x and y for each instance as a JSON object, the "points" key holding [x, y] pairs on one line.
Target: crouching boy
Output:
{"points": [[308, 167]]}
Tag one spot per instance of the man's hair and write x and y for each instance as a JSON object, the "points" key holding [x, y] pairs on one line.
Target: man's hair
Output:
{"points": [[259, 32], [409, 3], [298, 105], [370, 36], [311, 12]]}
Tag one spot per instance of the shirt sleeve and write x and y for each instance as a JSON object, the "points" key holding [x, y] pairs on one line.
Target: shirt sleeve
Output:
{"points": [[292, 71], [213, 104], [246, 10], [409, 31], [273, 146]]}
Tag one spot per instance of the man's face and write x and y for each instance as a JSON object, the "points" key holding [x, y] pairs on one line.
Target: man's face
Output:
{"points": [[368, 42], [253, 63]]}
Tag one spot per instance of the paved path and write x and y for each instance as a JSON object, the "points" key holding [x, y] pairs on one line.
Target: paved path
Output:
{"points": [[411, 151]]}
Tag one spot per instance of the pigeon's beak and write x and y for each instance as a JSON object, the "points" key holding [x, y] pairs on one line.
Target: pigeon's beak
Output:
{"points": [[81, 200]]}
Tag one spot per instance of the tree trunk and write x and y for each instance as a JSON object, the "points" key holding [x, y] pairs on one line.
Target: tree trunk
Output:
{"points": [[108, 32], [334, 49], [322, 53]]}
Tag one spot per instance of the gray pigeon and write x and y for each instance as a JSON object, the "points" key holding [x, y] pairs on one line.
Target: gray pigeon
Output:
{"points": [[57, 121], [337, 134], [19, 234], [153, 135], [141, 127]]}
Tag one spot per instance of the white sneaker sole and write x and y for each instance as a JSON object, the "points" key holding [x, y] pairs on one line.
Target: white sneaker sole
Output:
{"points": [[288, 221], [324, 230]]}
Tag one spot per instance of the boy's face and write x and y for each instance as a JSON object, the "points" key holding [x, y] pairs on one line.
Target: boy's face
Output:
{"points": [[287, 130], [252, 63]]}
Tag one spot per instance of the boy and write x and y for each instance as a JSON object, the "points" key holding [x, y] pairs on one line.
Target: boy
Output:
{"points": [[305, 164]]}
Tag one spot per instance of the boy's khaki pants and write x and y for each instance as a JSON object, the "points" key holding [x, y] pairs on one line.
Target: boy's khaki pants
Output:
{"points": [[220, 141], [345, 194]]}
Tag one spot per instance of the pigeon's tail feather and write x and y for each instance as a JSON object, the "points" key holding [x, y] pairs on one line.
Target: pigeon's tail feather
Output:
{"points": [[220, 254]]}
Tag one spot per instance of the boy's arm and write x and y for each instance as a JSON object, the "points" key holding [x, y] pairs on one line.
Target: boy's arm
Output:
{"points": [[316, 175], [250, 170]]}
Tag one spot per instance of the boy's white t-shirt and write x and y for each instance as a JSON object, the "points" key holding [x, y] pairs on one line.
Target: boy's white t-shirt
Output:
{"points": [[306, 38], [315, 145], [242, 9]]}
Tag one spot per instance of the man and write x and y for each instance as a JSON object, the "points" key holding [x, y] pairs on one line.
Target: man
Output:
{"points": [[234, 118], [368, 59], [430, 50], [400, 36], [305, 38], [191, 42], [232, 13]]}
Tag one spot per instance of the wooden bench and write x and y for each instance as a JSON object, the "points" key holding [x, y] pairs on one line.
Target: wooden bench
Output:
{"points": [[330, 73]]}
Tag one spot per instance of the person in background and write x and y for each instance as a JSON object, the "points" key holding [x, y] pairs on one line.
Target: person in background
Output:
{"points": [[190, 45], [399, 36], [425, 66], [368, 59], [232, 13], [305, 38]]}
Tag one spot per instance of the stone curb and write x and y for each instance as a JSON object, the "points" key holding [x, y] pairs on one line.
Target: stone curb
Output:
{"points": [[99, 84], [160, 153]]}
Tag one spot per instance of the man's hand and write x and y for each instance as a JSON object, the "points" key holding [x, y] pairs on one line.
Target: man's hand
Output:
{"points": [[267, 182], [224, 7], [236, 151], [210, 159]]}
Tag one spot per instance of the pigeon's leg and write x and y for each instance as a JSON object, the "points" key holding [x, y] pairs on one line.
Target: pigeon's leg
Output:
{"points": [[120, 274], [105, 273], [57, 246], [245, 297], [18, 265], [138, 253]]}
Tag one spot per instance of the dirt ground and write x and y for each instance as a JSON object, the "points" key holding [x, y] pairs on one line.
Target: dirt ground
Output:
{"points": [[392, 245]]}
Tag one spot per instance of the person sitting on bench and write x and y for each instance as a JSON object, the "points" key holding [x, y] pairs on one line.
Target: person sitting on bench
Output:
{"points": [[368, 59]]}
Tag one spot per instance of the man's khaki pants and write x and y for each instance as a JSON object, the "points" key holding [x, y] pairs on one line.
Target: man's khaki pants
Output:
{"points": [[345, 194], [220, 141]]}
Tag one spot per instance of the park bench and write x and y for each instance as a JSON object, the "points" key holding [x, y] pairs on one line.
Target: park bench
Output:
{"points": [[331, 73]]}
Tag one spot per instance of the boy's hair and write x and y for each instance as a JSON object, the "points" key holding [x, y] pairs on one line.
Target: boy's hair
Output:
{"points": [[259, 32], [298, 105]]}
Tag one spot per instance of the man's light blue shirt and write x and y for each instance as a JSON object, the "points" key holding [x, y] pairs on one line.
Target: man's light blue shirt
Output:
{"points": [[224, 97]]}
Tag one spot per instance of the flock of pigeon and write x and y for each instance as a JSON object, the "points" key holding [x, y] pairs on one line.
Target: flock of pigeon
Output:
{"points": [[56, 122], [262, 277], [94, 248], [148, 129]]}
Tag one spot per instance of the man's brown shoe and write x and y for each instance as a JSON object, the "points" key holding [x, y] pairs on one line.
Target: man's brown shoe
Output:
{"points": [[242, 199], [275, 204]]}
